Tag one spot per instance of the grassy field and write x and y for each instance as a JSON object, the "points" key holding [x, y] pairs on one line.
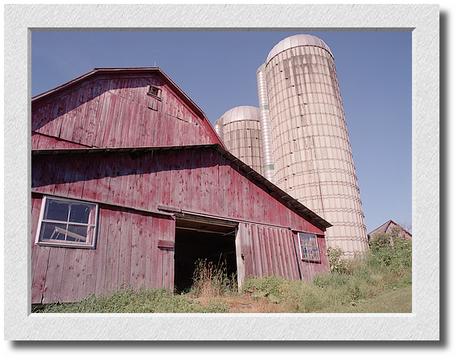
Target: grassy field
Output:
{"points": [[378, 283]]}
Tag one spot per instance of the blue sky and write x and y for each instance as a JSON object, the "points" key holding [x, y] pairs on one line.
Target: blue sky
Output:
{"points": [[217, 70]]}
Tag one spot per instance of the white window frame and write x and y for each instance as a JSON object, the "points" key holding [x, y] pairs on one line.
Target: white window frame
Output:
{"points": [[303, 258], [89, 244]]}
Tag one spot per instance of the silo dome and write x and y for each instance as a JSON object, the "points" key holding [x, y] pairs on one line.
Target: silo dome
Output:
{"points": [[239, 129], [239, 113], [297, 40]]}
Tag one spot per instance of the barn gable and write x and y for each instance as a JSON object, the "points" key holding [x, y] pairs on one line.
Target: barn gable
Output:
{"points": [[109, 108]]}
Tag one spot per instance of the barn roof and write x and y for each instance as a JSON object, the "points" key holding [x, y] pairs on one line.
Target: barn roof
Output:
{"points": [[383, 228], [131, 70], [246, 170]]}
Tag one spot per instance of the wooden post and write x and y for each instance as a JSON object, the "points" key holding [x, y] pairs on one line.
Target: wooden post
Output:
{"points": [[241, 233]]}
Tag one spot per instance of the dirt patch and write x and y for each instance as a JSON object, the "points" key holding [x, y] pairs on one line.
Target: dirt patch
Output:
{"points": [[244, 303]]}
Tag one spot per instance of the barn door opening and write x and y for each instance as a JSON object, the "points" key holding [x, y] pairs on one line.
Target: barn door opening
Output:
{"points": [[198, 240]]}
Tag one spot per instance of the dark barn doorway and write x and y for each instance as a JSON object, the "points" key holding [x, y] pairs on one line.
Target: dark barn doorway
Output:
{"points": [[197, 241]]}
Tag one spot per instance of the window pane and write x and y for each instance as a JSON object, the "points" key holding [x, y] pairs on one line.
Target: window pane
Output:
{"points": [[56, 210], [309, 247], [52, 231], [80, 213], [77, 233]]}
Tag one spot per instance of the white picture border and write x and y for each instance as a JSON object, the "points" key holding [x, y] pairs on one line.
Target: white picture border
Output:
{"points": [[421, 324]]}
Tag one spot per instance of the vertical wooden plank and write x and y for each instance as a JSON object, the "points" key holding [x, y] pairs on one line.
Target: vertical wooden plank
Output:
{"points": [[68, 283], [257, 252], [102, 115], [54, 275], [101, 262], [76, 274], [110, 120], [86, 275], [39, 269], [246, 239], [149, 253], [289, 256], [113, 240], [135, 252], [165, 178], [262, 242], [80, 117], [137, 279], [171, 269], [275, 253], [124, 268], [158, 270], [124, 122], [270, 256], [143, 239], [282, 253], [69, 116], [277, 256], [92, 114]]}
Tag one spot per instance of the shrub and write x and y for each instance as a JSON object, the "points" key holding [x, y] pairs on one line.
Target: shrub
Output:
{"points": [[337, 263], [391, 252]]}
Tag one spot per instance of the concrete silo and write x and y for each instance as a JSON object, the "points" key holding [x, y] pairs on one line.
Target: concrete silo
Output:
{"points": [[310, 146], [239, 128]]}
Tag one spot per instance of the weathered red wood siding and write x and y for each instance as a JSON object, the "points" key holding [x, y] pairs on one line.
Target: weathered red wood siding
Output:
{"points": [[198, 180], [115, 111], [126, 254], [40, 141], [274, 251], [195, 179]]}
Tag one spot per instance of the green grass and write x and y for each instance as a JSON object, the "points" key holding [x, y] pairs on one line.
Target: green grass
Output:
{"points": [[380, 282], [391, 301], [130, 301]]}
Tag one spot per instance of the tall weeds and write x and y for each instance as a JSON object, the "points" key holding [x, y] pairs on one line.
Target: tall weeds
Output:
{"points": [[210, 280]]}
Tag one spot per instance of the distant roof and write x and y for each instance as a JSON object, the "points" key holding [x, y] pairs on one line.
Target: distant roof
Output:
{"points": [[297, 40], [240, 113], [130, 70], [383, 228], [251, 174]]}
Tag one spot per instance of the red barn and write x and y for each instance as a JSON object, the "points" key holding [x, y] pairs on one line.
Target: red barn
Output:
{"points": [[131, 185]]}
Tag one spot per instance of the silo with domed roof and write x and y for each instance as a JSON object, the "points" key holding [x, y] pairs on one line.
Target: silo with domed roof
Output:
{"points": [[239, 129], [310, 149]]}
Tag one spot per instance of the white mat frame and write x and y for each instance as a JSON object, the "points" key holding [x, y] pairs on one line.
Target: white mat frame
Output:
{"points": [[421, 324]]}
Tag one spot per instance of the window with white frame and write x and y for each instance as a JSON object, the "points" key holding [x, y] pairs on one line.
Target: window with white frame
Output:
{"points": [[154, 91], [309, 247], [66, 222]]}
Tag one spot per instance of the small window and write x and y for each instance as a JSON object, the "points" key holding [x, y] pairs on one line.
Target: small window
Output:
{"points": [[154, 91], [309, 247], [65, 222]]}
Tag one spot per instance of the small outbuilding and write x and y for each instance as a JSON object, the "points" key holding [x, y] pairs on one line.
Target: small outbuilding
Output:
{"points": [[391, 228], [131, 186]]}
